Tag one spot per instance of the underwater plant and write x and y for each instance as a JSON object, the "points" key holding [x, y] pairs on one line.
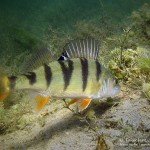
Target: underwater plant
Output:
{"points": [[144, 65], [141, 25], [144, 60], [146, 89], [130, 59], [12, 119], [135, 67], [24, 40]]}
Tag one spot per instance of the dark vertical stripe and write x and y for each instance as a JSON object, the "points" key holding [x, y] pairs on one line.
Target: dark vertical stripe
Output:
{"points": [[48, 74], [84, 66], [31, 76], [67, 72], [98, 70]]}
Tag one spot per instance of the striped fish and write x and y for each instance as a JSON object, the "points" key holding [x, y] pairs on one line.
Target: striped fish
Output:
{"points": [[77, 75]]}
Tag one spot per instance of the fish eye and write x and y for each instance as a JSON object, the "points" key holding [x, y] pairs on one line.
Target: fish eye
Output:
{"points": [[116, 81]]}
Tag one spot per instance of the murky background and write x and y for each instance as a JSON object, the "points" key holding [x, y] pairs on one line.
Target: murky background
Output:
{"points": [[35, 18]]}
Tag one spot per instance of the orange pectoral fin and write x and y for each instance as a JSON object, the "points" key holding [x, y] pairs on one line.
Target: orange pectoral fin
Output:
{"points": [[83, 104], [41, 101]]}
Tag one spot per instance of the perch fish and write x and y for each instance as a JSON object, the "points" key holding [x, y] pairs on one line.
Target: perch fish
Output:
{"points": [[77, 75]]}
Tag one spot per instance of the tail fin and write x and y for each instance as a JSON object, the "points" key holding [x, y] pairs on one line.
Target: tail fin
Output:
{"points": [[6, 85]]}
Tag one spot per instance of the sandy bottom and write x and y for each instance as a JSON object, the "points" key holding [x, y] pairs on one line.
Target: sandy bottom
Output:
{"points": [[123, 126]]}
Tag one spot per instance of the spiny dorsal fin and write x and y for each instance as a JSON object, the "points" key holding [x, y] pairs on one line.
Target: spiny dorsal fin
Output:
{"points": [[87, 48], [40, 57]]}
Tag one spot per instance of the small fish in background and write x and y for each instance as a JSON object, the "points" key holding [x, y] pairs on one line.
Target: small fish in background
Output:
{"points": [[77, 75]]}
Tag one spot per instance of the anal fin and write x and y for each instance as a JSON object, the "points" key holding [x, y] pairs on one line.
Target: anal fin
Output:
{"points": [[41, 101]]}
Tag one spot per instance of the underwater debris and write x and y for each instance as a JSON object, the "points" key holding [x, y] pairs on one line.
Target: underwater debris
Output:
{"points": [[104, 144]]}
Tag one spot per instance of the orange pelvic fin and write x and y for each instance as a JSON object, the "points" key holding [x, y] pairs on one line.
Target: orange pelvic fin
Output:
{"points": [[73, 101], [41, 101], [81, 103]]}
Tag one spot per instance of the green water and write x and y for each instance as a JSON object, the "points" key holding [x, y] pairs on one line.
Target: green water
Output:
{"points": [[22, 21]]}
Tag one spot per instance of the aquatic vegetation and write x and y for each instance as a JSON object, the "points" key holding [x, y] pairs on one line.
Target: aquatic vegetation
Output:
{"points": [[135, 67], [13, 66], [14, 108], [12, 119], [18, 113], [130, 60], [100, 29], [103, 143], [141, 25], [144, 60], [146, 88], [56, 40], [90, 114], [24, 39], [123, 71], [134, 64]]}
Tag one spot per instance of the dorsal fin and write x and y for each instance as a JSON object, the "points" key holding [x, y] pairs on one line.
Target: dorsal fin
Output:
{"points": [[86, 48], [40, 57]]}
